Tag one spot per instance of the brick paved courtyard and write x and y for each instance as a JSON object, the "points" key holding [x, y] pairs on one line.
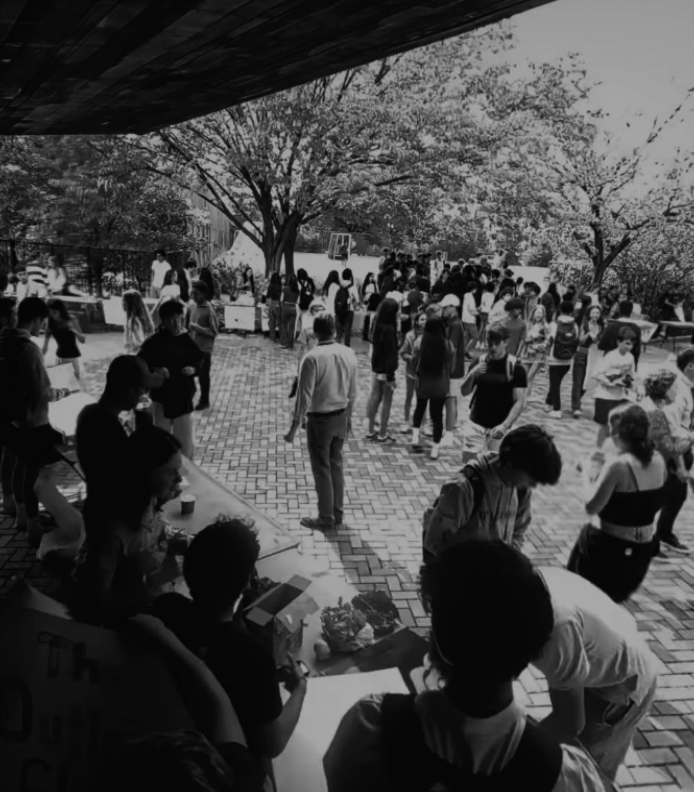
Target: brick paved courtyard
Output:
{"points": [[240, 443]]}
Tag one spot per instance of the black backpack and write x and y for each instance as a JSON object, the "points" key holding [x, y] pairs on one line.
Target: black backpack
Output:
{"points": [[13, 397], [566, 340], [342, 303], [535, 766]]}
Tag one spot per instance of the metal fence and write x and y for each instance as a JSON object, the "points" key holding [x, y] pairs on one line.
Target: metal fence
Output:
{"points": [[88, 269]]}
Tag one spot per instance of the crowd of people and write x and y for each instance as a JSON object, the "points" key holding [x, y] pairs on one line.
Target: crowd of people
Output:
{"points": [[492, 612]]}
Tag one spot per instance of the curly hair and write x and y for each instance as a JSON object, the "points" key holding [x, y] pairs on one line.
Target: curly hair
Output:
{"points": [[530, 448], [482, 631], [631, 424], [658, 384]]}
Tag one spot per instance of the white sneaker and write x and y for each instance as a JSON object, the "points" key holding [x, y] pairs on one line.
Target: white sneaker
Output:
{"points": [[548, 408], [578, 414], [447, 440], [434, 454], [415, 436], [555, 414]]}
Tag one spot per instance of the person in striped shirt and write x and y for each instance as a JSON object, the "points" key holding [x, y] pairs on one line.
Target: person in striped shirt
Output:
{"points": [[37, 277]]}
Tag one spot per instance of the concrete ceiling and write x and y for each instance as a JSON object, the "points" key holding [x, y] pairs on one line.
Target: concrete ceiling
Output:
{"points": [[116, 66]]}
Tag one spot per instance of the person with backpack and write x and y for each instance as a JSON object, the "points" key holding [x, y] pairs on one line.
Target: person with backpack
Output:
{"points": [[25, 394], [491, 496], [465, 732], [563, 344], [498, 385], [346, 301]]}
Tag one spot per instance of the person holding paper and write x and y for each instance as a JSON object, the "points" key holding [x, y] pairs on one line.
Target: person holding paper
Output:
{"points": [[491, 615]]}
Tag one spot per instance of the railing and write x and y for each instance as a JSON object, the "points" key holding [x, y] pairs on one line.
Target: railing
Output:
{"points": [[88, 269]]}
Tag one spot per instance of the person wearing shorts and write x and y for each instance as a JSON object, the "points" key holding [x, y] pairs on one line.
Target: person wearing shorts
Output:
{"points": [[498, 385], [615, 377]]}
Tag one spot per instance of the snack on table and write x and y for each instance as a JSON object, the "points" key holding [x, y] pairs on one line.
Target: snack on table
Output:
{"points": [[345, 629], [379, 611], [349, 627]]}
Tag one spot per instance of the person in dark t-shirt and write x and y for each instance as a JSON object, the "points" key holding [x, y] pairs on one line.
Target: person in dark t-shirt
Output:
{"points": [[102, 442], [498, 386], [218, 567]]}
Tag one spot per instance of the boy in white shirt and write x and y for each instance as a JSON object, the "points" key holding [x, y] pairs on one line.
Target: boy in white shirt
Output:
{"points": [[601, 673], [615, 377], [470, 314], [160, 267]]}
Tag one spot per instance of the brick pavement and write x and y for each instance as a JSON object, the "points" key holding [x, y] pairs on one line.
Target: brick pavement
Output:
{"points": [[240, 443]]}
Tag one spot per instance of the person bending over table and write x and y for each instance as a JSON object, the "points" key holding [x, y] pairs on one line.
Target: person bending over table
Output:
{"points": [[128, 560], [466, 732], [218, 567], [172, 352]]}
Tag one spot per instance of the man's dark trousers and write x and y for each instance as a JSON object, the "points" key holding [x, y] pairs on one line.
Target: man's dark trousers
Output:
{"points": [[325, 436]]}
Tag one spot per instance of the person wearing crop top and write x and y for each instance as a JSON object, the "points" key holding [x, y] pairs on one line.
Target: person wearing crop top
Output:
{"points": [[626, 498]]}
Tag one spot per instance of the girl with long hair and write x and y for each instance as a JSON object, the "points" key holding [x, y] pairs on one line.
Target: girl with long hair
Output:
{"points": [[344, 309], [207, 278], [273, 297], [288, 310], [183, 283], [66, 331], [533, 353], [433, 362], [171, 287], [330, 288], [498, 313], [138, 322], [409, 353], [384, 364], [626, 497], [307, 289], [591, 329]]}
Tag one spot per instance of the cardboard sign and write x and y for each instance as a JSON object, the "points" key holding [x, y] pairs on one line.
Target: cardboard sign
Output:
{"points": [[281, 612], [69, 695]]}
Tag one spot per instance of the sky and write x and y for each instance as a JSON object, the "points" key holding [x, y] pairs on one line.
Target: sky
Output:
{"points": [[641, 51]]}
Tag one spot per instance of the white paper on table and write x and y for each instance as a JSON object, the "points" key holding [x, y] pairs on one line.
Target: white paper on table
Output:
{"points": [[328, 699]]}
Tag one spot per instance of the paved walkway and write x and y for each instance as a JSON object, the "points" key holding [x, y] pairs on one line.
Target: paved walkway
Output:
{"points": [[240, 443]]}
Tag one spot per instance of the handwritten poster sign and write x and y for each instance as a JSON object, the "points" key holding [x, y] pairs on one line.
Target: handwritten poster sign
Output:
{"points": [[69, 695]]}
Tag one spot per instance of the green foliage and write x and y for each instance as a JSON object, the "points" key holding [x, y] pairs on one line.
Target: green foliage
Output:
{"points": [[394, 149], [88, 190]]}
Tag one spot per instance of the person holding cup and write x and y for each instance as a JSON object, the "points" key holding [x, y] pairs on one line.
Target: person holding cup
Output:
{"points": [[173, 353], [129, 560]]}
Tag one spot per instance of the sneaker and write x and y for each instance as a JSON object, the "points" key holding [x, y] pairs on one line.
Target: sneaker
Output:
{"points": [[427, 431], [202, 406], [447, 440], [434, 454], [547, 408], [317, 524], [555, 414], [675, 544], [578, 415]]}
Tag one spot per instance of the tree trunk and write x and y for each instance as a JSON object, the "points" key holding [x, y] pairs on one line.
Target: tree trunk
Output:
{"points": [[281, 244]]}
